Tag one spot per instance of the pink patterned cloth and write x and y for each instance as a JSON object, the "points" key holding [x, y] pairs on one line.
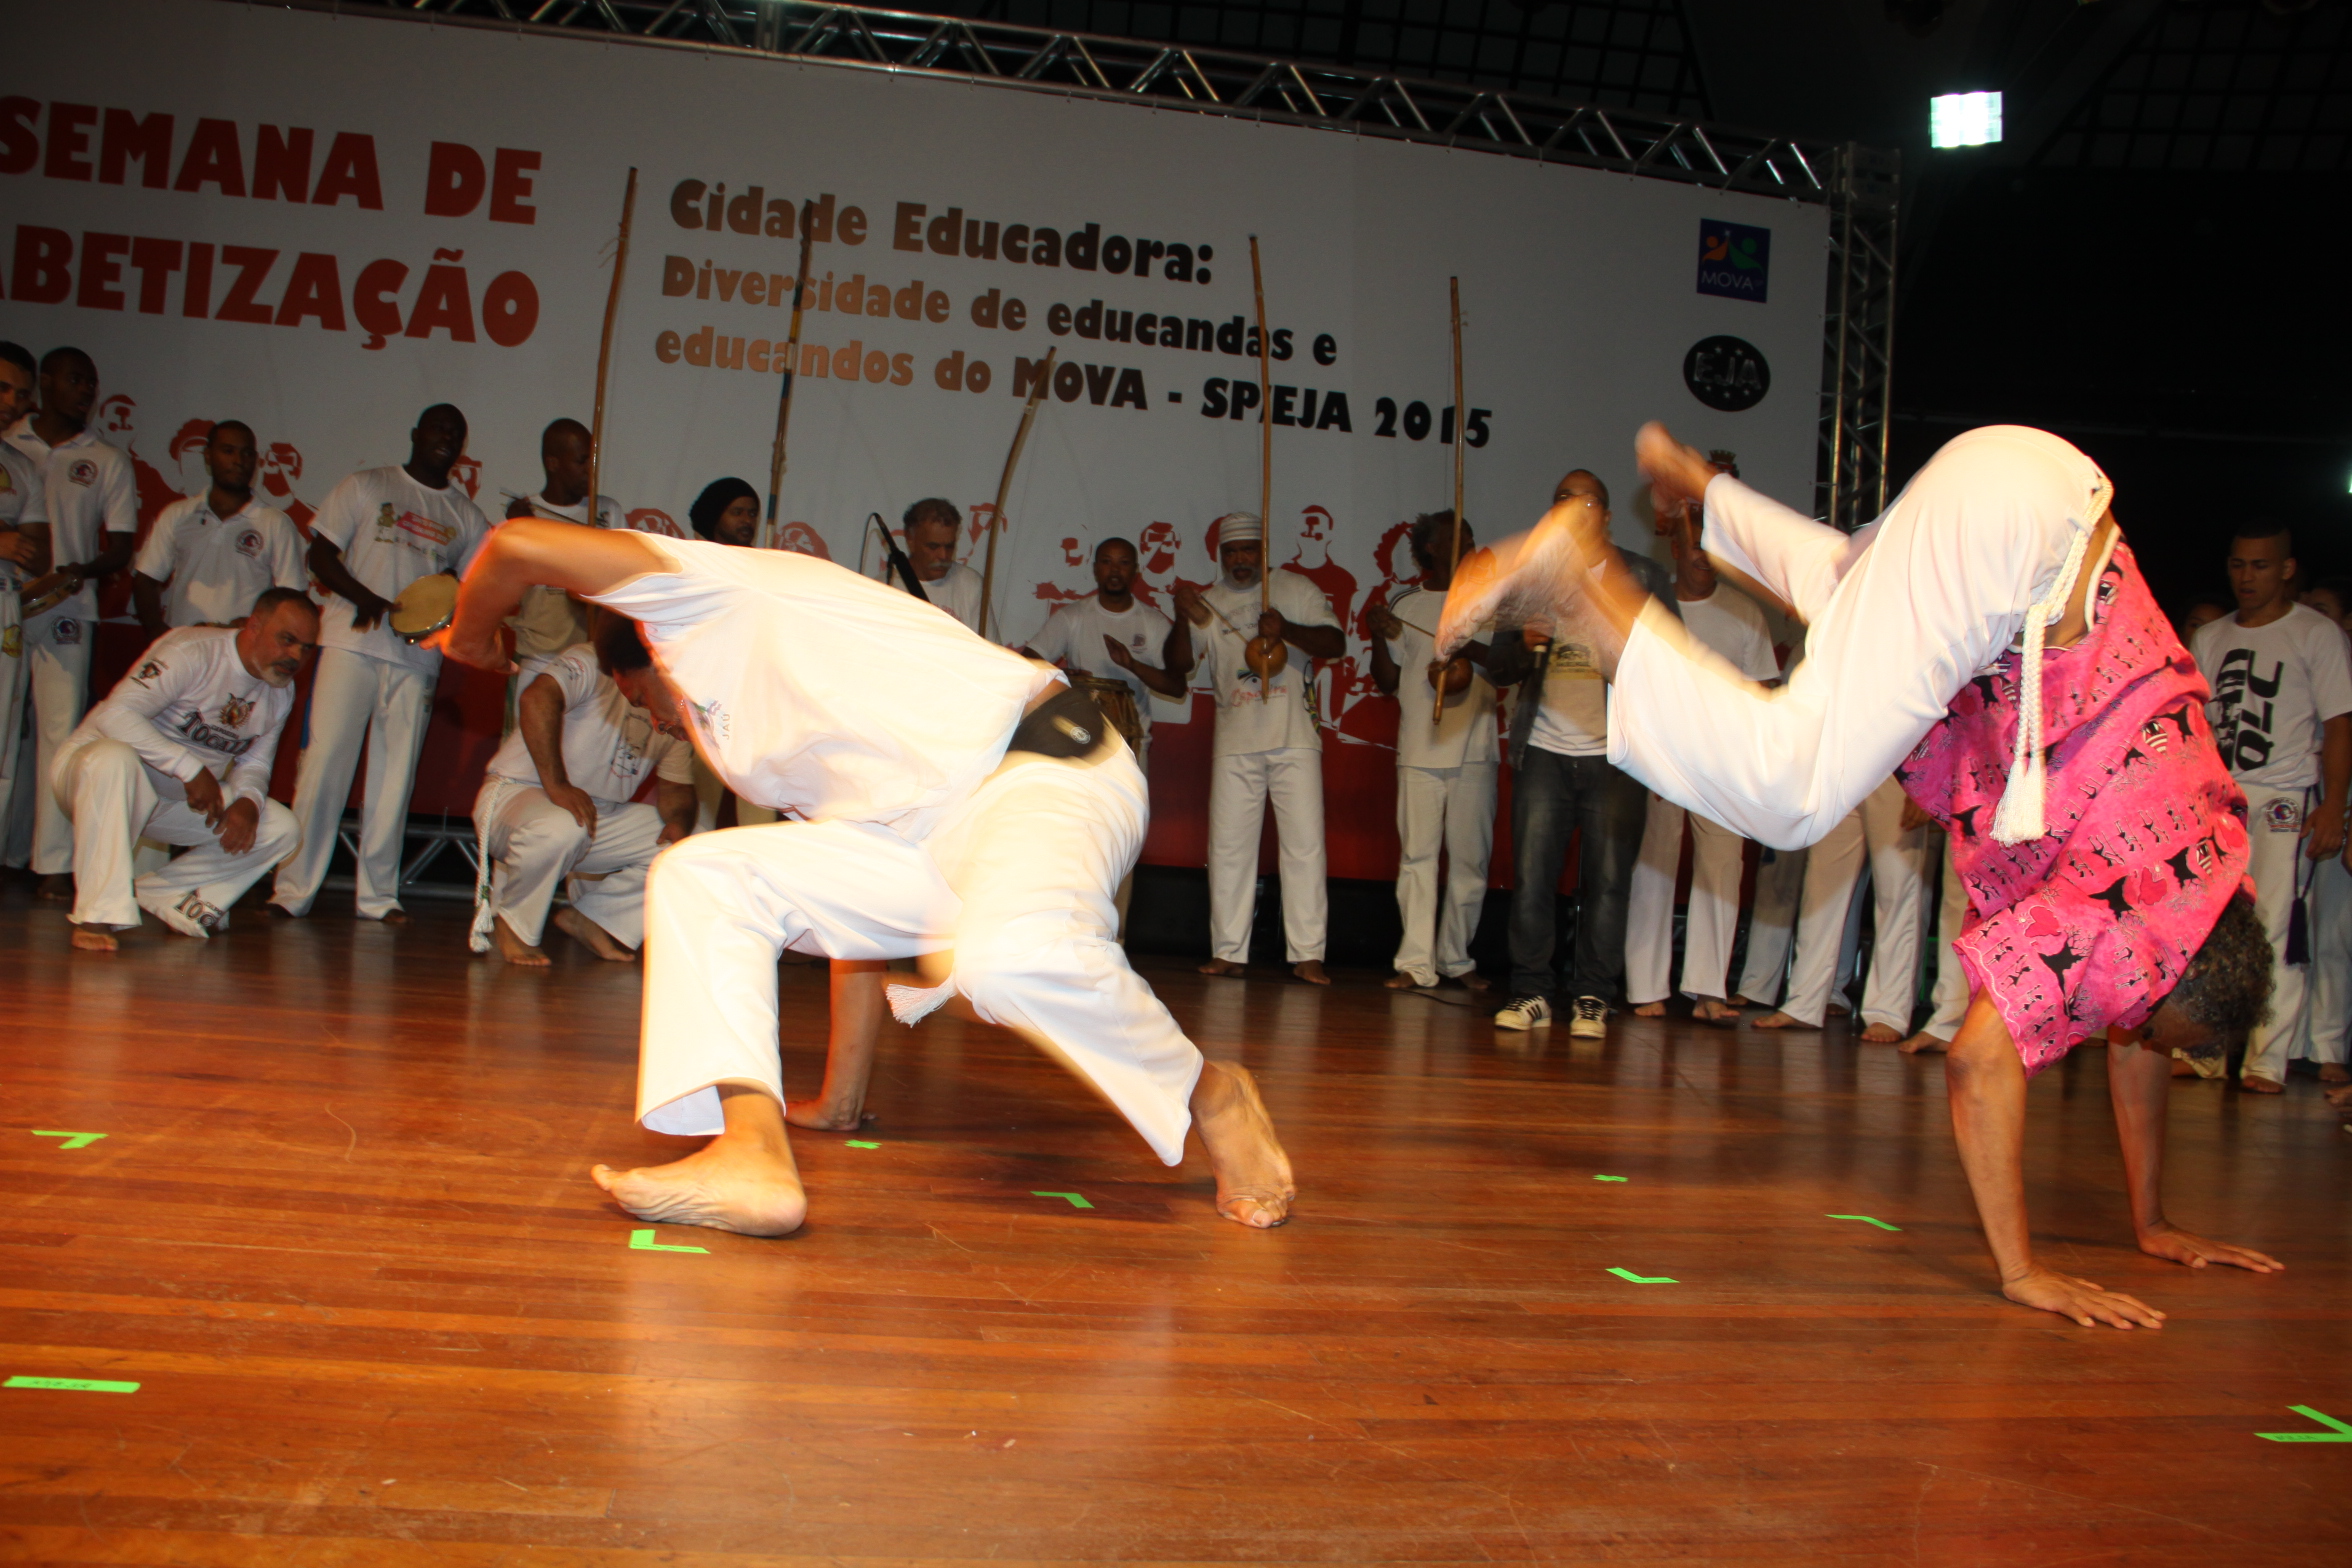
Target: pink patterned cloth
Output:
{"points": [[2094, 923]]}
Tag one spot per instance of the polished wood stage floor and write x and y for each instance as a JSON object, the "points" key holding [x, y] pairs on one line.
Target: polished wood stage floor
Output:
{"points": [[339, 1233]]}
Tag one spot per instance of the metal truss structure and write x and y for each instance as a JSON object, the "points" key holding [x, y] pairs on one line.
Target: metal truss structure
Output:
{"points": [[1855, 183]]}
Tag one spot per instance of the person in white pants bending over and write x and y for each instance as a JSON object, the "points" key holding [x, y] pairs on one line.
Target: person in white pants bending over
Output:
{"points": [[180, 751], [1727, 621], [978, 818], [1447, 762], [1267, 745], [2282, 690], [381, 529], [1889, 834], [558, 805]]}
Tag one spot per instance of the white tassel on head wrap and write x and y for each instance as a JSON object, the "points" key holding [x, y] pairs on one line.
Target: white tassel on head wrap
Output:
{"points": [[2019, 816]]}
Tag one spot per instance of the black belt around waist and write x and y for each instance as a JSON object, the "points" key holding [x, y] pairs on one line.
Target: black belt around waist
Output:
{"points": [[1067, 724]]}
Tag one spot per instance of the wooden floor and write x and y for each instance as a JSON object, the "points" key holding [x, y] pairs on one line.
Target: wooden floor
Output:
{"points": [[339, 1232]]}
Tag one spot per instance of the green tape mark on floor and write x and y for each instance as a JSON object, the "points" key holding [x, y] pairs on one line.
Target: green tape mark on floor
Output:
{"points": [[1612, 1178], [2339, 1432], [1864, 1218], [855, 1144], [1076, 1202], [1644, 1279], [642, 1241], [79, 1385], [73, 1140]]}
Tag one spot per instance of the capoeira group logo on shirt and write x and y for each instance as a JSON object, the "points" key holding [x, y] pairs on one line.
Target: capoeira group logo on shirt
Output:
{"points": [[236, 711], [68, 633], [146, 673], [213, 738], [387, 523], [83, 472], [249, 543], [2283, 814]]}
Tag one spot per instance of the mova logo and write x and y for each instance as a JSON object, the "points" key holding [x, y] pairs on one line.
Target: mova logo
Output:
{"points": [[1734, 259]]}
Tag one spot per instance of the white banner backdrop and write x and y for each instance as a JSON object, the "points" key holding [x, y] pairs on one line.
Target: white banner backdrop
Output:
{"points": [[321, 224]]}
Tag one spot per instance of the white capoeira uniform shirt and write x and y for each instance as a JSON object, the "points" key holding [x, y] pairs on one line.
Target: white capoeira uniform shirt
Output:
{"points": [[1446, 772], [22, 505], [1267, 746], [1728, 623], [1073, 635], [214, 567], [372, 686], [921, 836], [2275, 686], [958, 593], [190, 706], [1901, 614], [89, 491], [610, 747], [549, 620]]}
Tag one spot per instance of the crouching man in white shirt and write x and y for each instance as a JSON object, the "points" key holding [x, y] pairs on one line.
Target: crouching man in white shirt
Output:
{"points": [[556, 805], [180, 751]]}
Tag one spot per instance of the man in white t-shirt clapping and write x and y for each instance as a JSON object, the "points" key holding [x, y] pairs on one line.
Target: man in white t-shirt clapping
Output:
{"points": [[1110, 635], [1446, 766], [1267, 744], [180, 751], [551, 620], [558, 805], [380, 530], [208, 557], [2282, 690], [1727, 621]]}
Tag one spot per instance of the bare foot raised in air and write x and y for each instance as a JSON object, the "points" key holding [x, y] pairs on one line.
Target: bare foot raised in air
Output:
{"points": [[94, 939], [1254, 1185], [1784, 1021], [1529, 576], [1924, 1044], [743, 1180], [1880, 1034], [593, 937], [513, 948]]}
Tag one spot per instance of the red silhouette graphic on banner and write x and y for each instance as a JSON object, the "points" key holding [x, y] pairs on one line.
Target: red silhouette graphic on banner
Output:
{"points": [[281, 465], [801, 539], [113, 421], [652, 520]]}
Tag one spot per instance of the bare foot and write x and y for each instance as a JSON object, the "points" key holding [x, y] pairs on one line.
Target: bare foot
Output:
{"points": [[592, 936], [1784, 1021], [1649, 1009], [2081, 1300], [1472, 980], [743, 1180], [395, 916], [1838, 1010], [823, 1116], [1403, 982], [2254, 1083], [1311, 971], [1536, 575], [1716, 1011], [514, 949], [2334, 1072], [1881, 1034], [93, 939], [1223, 966], [1254, 1185], [1924, 1044], [1743, 1003], [2339, 1099], [56, 888]]}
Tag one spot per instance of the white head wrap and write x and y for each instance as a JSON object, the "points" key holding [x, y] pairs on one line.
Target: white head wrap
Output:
{"points": [[1240, 528]]}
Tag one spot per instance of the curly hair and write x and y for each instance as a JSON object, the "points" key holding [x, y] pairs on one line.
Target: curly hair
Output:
{"points": [[2226, 988]]}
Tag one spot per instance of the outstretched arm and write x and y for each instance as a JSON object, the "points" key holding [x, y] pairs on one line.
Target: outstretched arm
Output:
{"points": [[530, 552], [2139, 1083]]}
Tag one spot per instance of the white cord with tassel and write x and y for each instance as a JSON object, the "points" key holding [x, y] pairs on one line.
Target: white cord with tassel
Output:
{"points": [[2020, 816]]}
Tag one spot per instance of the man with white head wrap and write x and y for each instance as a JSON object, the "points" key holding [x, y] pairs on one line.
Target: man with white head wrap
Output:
{"points": [[2103, 844], [1267, 746]]}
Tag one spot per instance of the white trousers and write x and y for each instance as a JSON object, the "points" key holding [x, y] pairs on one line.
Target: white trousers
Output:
{"points": [[356, 700], [1772, 923], [1951, 987], [1016, 882], [57, 684], [1239, 788], [12, 696], [535, 847], [113, 800], [1786, 765], [1716, 862], [1453, 808], [2274, 864], [1873, 830], [2330, 991]]}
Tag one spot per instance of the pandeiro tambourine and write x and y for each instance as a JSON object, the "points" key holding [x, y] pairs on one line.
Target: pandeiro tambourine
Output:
{"points": [[424, 607]]}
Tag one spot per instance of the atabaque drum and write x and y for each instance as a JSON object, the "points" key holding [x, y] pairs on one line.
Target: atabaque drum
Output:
{"points": [[1116, 699]]}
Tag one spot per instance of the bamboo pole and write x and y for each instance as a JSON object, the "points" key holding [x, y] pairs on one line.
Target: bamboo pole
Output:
{"points": [[1004, 486], [1268, 662], [1461, 418], [612, 311], [791, 373]]}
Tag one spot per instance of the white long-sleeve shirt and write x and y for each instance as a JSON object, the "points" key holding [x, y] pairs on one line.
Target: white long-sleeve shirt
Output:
{"points": [[191, 706]]}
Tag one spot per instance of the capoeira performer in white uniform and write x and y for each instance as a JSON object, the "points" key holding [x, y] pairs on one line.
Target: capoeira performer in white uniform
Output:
{"points": [[558, 805], [979, 817], [24, 555], [180, 751], [2103, 843]]}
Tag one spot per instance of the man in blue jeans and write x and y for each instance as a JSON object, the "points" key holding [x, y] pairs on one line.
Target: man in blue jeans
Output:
{"points": [[1562, 783]]}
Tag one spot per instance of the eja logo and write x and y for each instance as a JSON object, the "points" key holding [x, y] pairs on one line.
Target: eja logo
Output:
{"points": [[1734, 259]]}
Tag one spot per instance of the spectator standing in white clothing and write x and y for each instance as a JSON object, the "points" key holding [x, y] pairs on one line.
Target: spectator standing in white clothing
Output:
{"points": [[1889, 835], [24, 552], [551, 620], [2282, 690], [1446, 767], [1727, 621], [1267, 744], [207, 558], [92, 500], [2330, 1031], [380, 530]]}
